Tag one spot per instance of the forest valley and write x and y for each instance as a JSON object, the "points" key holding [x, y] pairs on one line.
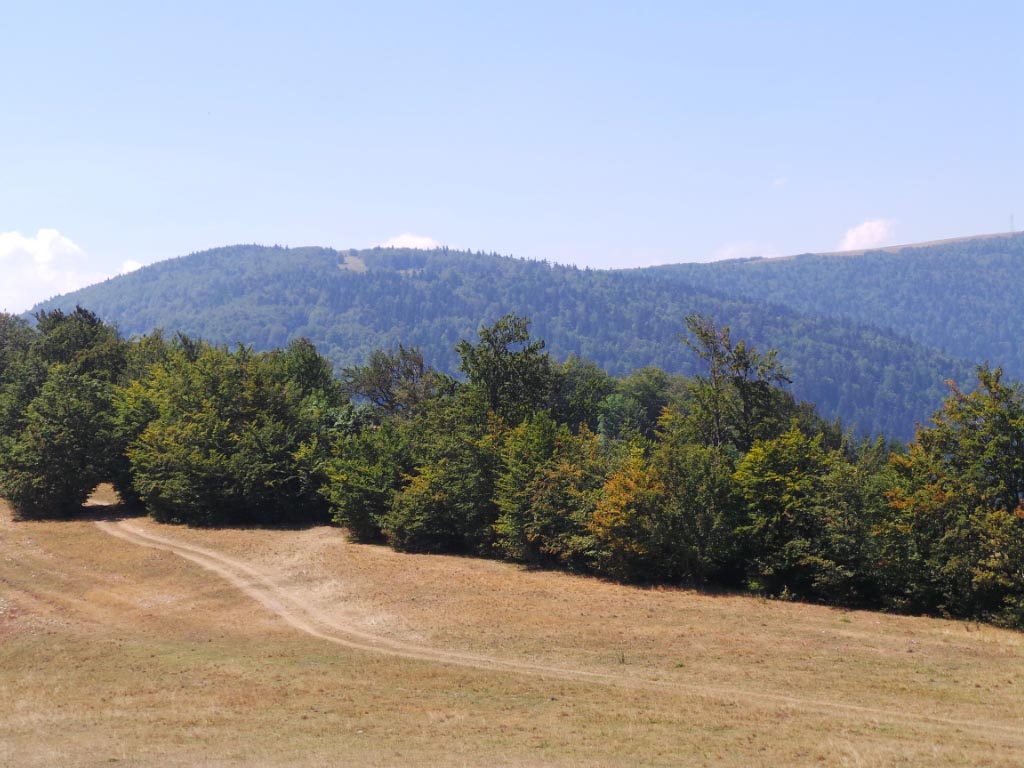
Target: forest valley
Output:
{"points": [[721, 480]]}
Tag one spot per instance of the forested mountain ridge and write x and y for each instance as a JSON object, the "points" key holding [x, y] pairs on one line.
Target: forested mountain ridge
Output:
{"points": [[960, 296], [349, 303]]}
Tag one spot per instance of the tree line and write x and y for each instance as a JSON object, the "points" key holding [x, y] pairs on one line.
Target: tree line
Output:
{"points": [[350, 303], [721, 480]]}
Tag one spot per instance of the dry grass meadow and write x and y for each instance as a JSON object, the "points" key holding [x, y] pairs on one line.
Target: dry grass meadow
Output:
{"points": [[135, 644]]}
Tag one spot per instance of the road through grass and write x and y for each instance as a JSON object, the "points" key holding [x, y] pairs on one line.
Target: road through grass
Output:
{"points": [[171, 646]]}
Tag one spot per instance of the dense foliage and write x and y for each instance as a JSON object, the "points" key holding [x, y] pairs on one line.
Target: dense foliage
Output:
{"points": [[352, 303], [56, 424], [953, 295], [229, 436], [723, 478]]}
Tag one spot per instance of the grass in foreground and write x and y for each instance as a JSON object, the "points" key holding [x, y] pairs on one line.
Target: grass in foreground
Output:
{"points": [[112, 653]]}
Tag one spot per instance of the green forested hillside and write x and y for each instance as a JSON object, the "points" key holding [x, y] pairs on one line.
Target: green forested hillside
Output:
{"points": [[352, 302], [960, 296]]}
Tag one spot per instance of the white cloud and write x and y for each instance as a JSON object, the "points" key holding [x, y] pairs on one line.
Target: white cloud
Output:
{"points": [[48, 245], [36, 268], [129, 266], [874, 233], [408, 240]]}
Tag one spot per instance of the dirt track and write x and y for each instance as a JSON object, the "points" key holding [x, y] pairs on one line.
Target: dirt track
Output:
{"points": [[261, 587], [258, 584]]}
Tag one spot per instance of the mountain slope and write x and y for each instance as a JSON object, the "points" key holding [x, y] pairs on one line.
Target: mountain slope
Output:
{"points": [[962, 296], [350, 303]]}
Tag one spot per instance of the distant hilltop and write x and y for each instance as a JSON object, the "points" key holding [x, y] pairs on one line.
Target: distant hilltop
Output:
{"points": [[928, 244], [869, 338]]}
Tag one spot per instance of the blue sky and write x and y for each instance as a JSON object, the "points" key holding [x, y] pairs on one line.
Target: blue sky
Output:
{"points": [[604, 134]]}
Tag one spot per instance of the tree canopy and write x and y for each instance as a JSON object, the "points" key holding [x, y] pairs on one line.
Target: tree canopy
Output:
{"points": [[721, 479]]}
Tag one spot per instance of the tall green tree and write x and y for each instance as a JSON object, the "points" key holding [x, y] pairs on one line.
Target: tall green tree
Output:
{"points": [[63, 450], [803, 537], [16, 338], [367, 466], [82, 341], [626, 519], [394, 382], [733, 401], [701, 507], [231, 438], [510, 371], [446, 503], [56, 391], [546, 495], [621, 417], [579, 388], [956, 540], [20, 374]]}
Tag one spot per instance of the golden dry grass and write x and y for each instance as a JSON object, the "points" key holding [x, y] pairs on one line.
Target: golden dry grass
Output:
{"points": [[112, 653]]}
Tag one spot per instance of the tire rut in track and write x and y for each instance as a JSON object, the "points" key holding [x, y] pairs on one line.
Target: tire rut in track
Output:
{"points": [[259, 585]]}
